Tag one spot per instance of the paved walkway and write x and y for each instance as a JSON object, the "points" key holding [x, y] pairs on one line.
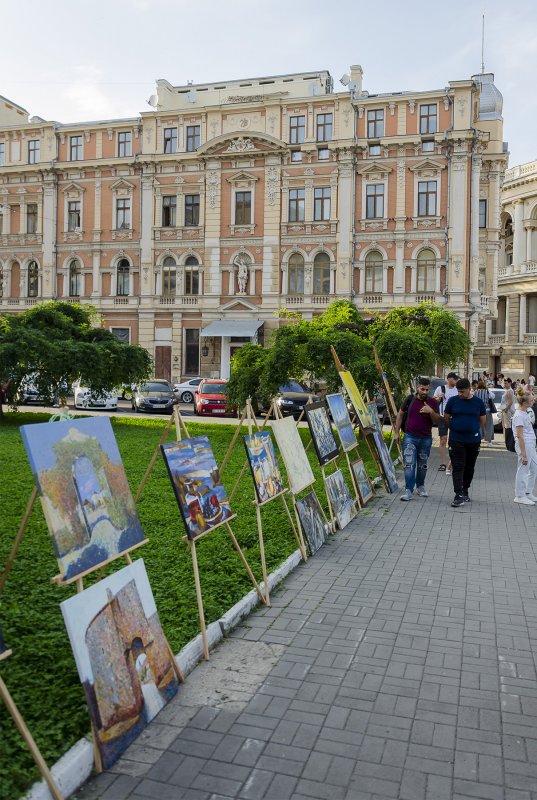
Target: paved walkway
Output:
{"points": [[399, 662]]}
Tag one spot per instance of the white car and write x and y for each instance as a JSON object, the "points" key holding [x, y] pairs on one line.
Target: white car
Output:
{"points": [[497, 415], [185, 391], [85, 398]]}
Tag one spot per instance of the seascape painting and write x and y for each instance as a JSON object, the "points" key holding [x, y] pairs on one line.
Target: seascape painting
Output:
{"points": [[361, 481], [196, 482], [123, 659], [312, 521], [299, 472], [340, 499], [342, 421], [264, 466], [357, 400], [385, 461], [325, 444], [84, 492]]}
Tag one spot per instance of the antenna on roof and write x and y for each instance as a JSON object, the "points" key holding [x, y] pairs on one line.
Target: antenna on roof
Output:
{"points": [[483, 44]]}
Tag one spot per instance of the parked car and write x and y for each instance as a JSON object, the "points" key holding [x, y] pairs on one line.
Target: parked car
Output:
{"points": [[185, 391], [293, 397], [28, 393], [155, 395], [210, 398], [86, 398], [497, 415]]}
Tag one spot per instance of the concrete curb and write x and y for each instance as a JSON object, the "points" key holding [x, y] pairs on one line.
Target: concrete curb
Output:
{"points": [[75, 766]]}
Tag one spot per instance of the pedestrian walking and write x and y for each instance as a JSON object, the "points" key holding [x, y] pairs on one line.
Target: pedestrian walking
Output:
{"points": [[531, 380], [526, 473], [507, 408], [487, 431], [415, 418], [442, 395], [464, 415]]}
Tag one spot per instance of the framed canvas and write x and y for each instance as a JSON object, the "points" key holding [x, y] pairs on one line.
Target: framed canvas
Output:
{"points": [[299, 472], [340, 499], [356, 399], [361, 481], [312, 521], [84, 492], [195, 478], [374, 414], [342, 421], [325, 444], [3, 647], [122, 657], [385, 461], [264, 465]]}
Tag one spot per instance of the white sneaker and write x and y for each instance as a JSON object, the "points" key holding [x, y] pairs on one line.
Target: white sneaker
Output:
{"points": [[422, 491], [448, 471], [407, 495], [532, 497], [525, 501]]}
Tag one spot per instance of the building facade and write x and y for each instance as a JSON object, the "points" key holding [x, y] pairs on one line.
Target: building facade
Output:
{"points": [[190, 226]]}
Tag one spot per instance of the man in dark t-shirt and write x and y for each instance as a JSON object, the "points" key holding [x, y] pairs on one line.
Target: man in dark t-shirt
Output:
{"points": [[464, 415], [416, 417]]}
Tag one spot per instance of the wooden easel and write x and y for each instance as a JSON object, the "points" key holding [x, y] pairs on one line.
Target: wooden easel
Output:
{"points": [[390, 404], [27, 736]]}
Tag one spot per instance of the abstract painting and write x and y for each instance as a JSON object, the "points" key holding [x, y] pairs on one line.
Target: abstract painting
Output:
{"points": [[361, 481], [340, 415], [312, 520], [84, 492], [342, 503], [265, 471], [356, 399], [293, 453], [197, 485], [123, 659], [374, 414], [385, 461], [325, 444]]}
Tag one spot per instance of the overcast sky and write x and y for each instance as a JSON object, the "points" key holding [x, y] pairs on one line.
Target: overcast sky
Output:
{"points": [[71, 63]]}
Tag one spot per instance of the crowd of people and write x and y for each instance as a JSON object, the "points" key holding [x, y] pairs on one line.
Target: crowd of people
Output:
{"points": [[463, 411]]}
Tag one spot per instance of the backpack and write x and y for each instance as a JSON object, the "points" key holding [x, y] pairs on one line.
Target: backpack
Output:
{"points": [[405, 409]]}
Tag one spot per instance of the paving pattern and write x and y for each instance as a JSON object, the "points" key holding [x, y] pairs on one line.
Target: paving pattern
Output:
{"points": [[399, 662]]}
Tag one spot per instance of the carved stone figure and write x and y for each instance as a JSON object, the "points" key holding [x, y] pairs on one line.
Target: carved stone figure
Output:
{"points": [[242, 264]]}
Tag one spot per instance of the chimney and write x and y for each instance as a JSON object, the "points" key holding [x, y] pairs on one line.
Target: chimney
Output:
{"points": [[357, 75]]}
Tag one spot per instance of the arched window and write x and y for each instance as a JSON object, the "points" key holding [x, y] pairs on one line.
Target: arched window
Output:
{"points": [[426, 277], [373, 271], [169, 277], [123, 273], [295, 274], [321, 274], [192, 276], [33, 279], [75, 278]]}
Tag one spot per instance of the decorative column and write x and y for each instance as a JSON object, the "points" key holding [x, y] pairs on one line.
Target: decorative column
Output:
{"points": [[522, 318], [213, 210], [345, 211], [507, 304], [488, 330], [146, 244], [529, 232], [49, 216], [475, 294], [518, 235]]}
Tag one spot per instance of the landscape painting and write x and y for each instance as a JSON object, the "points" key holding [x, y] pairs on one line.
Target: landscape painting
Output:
{"points": [[264, 465], [324, 442], [299, 472], [342, 421], [361, 481], [312, 520], [374, 414], [356, 399], [123, 659], [84, 492], [340, 500], [195, 478], [385, 461]]}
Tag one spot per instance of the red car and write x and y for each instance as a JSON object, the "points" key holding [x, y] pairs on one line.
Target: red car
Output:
{"points": [[210, 398]]}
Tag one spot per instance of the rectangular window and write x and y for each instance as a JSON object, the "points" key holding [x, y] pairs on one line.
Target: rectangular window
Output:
{"points": [[31, 218], [427, 198], [374, 149], [73, 215], [482, 213], [192, 351], [375, 123], [124, 144], [323, 154], [121, 334], [297, 129], [374, 200], [170, 140], [321, 204], [192, 209], [428, 118], [75, 148], [192, 280], [33, 151], [428, 146], [324, 127], [243, 208], [123, 213], [296, 155], [297, 203], [192, 138], [2, 154], [169, 208]]}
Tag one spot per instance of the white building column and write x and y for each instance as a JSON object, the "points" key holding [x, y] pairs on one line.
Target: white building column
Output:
{"points": [[475, 294], [507, 303], [518, 235], [488, 330], [146, 243], [522, 318], [529, 232]]}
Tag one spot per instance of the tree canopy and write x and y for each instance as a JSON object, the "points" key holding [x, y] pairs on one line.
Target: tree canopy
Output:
{"points": [[58, 343]]}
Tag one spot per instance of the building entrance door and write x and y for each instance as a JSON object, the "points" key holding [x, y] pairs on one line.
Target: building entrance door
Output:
{"points": [[163, 362]]}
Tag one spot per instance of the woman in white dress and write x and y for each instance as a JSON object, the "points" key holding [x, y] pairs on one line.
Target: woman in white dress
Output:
{"points": [[524, 434]]}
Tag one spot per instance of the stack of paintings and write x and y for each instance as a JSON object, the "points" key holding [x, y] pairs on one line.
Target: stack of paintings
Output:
{"points": [[299, 472], [326, 447], [264, 465], [312, 520], [342, 421]]}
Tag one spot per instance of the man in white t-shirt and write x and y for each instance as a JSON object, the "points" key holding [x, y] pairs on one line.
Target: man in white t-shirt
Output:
{"points": [[442, 395], [531, 380]]}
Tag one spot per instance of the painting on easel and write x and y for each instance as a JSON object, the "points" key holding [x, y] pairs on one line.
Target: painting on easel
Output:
{"points": [[122, 657], [385, 461], [299, 472], [84, 492], [342, 421], [264, 465], [374, 414], [311, 518], [196, 482], [356, 399], [324, 441], [361, 481], [340, 498]]}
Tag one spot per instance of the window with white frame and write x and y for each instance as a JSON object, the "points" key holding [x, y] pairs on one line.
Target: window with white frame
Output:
{"points": [[33, 151], [296, 205], [374, 201], [192, 210], [169, 211], [428, 118], [426, 271], [73, 215], [192, 276], [170, 140], [75, 278], [124, 144], [123, 212], [169, 277], [322, 203], [297, 129], [33, 279], [482, 213], [123, 277], [324, 127], [323, 154], [31, 218], [427, 146], [243, 208], [193, 138], [374, 150], [375, 123], [321, 274], [373, 272], [75, 148], [2, 154], [427, 198], [296, 155], [295, 274]]}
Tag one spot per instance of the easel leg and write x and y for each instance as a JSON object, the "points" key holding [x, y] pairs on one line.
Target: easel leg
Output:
{"points": [[192, 546], [262, 551], [97, 760], [297, 533], [234, 439], [18, 537], [176, 668], [356, 495], [153, 459], [28, 738], [242, 557]]}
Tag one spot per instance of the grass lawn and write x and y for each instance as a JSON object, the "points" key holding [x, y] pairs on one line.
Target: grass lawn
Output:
{"points": [[41, 673]]}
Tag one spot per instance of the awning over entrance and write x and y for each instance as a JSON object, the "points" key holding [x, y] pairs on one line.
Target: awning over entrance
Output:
{"points": [[232, 327]]}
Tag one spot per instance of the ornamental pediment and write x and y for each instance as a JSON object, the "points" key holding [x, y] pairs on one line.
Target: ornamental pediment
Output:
{"points": [[234, 144], [427, 167], [73, 189], [242, 178], [122, 187], [375, 170], [239, 305]]}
